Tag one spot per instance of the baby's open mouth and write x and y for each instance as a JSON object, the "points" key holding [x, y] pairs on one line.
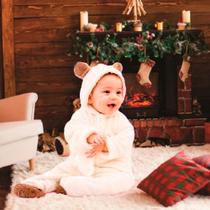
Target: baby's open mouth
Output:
{"points": [[111, 105]]}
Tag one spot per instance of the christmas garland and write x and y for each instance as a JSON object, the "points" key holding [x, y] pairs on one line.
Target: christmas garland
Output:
{"points": [[149, 44]]}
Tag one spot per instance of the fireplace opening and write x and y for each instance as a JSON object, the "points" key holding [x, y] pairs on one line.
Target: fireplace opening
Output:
{"points": [[139, 100], [160, 100]]}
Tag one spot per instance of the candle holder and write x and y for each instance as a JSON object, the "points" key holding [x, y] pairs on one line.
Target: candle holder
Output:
{"points": [[181, 26], [137, 26]]}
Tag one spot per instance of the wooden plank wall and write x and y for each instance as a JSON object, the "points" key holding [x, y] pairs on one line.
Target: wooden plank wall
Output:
{"points": [[1, 60], [41, 43], [8, 47]]}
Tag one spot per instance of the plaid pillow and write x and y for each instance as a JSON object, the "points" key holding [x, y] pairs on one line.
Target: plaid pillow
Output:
{"points": [[175, 179], [204, 160]]}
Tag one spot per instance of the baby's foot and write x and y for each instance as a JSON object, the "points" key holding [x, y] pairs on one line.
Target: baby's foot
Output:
{"points": [[60, 190], [27, 191]]}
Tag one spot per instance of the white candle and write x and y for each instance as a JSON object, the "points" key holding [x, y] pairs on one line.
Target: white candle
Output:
{"points": [[83, 19], [186, 16]]}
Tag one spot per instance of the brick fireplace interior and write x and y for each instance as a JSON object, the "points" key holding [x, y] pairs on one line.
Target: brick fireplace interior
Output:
{"points": [[165, 110]]}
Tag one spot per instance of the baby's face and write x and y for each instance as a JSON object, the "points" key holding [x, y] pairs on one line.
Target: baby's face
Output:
{"points": [[107, 95]]}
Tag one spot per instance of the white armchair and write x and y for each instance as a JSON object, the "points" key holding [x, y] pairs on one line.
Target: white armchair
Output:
{"points": [[18, 129]]}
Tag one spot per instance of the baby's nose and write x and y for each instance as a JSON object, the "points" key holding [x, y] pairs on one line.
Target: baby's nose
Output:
{"points": [[113, 95]]}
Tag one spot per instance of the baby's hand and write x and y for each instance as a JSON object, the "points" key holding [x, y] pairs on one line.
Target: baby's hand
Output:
{"points": [[98, 144], [93, 138]]}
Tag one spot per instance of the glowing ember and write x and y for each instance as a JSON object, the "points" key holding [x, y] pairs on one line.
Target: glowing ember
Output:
{"points": [[139, 100]]}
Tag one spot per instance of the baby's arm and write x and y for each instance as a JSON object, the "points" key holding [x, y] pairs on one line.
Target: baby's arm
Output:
{"points": [[121, 142], [76, 132]]}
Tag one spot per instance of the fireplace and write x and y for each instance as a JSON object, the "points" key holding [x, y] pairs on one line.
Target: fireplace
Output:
{"points": [[160, 100], [165, 110]]}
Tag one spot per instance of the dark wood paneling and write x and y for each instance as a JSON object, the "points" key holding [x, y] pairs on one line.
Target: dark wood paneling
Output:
{"points": [[56, 48], [1, 58], [54, 117], [67, 2], [41, 29], [52, 75], [8, 47]]}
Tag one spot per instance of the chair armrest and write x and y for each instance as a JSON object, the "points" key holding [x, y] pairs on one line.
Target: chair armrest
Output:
{"points": [[19, 107]]}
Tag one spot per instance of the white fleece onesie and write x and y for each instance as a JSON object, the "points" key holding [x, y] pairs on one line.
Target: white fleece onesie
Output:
{"points": [[107, 172]]}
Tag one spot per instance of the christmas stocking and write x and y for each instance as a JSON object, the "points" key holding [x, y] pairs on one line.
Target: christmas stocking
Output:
{"points": [[183, 72], [144, 72]]}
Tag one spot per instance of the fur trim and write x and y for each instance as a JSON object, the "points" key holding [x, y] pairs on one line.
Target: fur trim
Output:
{"points": [[93, 76]]}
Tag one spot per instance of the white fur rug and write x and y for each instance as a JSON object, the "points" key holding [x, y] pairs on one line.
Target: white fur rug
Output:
{"points": [[145, 160]]}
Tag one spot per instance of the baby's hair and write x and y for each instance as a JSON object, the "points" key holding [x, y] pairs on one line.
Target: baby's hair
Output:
{"points": [[110, 73]]}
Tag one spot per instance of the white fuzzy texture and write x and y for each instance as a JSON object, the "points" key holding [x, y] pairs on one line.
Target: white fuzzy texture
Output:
{"points": [[93, 76], [145, 161]]}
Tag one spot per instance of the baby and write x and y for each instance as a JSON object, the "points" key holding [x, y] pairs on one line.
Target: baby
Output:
{"points": [[100, 139]]}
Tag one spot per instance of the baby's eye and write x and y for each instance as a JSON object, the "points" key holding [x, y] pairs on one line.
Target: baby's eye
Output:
{"points": [[119, 92], [106, 91]]}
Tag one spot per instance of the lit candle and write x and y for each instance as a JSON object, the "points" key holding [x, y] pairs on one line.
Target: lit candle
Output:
{"points": [[186, 16], [118, 27], [159, 25], [83, 19]]}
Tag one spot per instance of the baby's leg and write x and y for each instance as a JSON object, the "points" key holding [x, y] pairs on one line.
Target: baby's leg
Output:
{"points": [[101, 185], [37, 186]]}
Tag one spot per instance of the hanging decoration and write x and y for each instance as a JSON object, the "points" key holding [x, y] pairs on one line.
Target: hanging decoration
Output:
{"points": [[184, 70], [145, 67], [185, 67], [144, 72]]}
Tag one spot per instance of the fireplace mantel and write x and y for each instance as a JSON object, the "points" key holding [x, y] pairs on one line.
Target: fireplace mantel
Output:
{"points": [[194, 31]]}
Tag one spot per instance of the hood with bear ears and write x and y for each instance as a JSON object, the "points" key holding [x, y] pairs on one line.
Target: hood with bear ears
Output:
{"points": [[91, 75]]}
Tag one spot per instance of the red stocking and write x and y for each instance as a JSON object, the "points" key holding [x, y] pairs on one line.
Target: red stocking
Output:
{"points": [[144, 72], [183, 72]]}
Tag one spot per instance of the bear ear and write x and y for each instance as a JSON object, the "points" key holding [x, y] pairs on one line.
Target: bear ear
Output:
{"points": [[118, 66], [81, 69]]}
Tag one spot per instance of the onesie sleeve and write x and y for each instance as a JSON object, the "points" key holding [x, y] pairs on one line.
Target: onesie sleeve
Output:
{"points": [[76, 131], [120, 144]]}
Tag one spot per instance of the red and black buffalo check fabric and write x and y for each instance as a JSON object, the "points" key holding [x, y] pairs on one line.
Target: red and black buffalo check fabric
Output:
{"points": [[175, 179], [204, 160]]}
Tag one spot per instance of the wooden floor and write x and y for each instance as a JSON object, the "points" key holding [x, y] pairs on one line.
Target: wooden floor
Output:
{"points": [[5, 182]]}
